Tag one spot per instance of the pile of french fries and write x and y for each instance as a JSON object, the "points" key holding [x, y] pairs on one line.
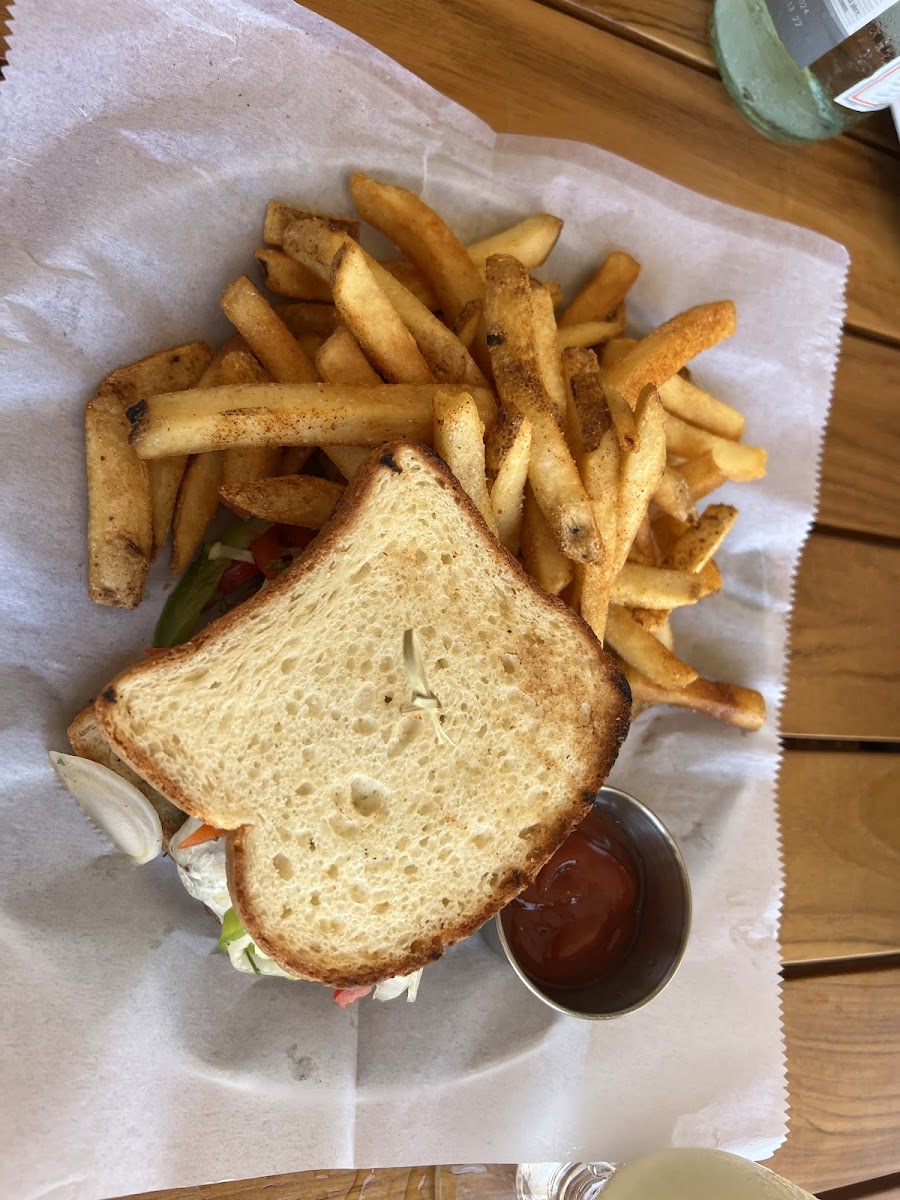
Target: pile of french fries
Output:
{"points": [[585, 451]]}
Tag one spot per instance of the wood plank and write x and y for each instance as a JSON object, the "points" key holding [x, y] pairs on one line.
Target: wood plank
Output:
{"points": [[840, 827], [683, 29], [844, 680], [887, 1188], [862, 447], [472, 1182], [525, 68], [843, 1055]]}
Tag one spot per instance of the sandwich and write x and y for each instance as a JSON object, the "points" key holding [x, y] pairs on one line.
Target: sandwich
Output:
{"points": [[361, 764]]}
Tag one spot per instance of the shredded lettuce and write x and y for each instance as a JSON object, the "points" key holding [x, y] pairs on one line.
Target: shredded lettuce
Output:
{"points": [[390, 989]]}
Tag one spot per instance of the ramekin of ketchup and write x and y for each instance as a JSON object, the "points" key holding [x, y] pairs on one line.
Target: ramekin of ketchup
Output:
{"points": [[603, 927], [574, 924]]}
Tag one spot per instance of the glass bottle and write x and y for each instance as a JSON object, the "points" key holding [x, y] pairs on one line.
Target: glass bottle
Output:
{"points": [[803, 70]]}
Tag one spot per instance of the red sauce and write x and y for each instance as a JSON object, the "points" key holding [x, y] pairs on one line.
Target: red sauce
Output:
{"points": [[575, 923]]}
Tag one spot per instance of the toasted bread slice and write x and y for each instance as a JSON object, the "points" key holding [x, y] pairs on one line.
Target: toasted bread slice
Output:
{"points": [[368, 833], [87, 740]]}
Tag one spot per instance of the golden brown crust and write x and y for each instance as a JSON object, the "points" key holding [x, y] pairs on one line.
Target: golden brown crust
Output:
{"points": [[609, 732]]}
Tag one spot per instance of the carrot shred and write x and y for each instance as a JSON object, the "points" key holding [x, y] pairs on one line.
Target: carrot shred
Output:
{"points": [[206, 833]]}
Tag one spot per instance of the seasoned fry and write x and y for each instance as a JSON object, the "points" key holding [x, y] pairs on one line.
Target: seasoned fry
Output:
{"points": [[373, 320], [500, 437], [665, 351], [546, 349], [615, 350], [469, 321], [726, 702], [735, 460], [459, 440], [508, 489], [696, 546], [592, 333], [279, 215], [291, 460], [120, 525], [284, 276], [639, 586], [622, 417], [604, 292], [530, 241], [315, 245], [685, 400], [286, 499], [300, 318], [198, 501], [591, 596], [636, 646], [702, 475], [424, 238], [543, 559], [252, 462], [641, 471], [643, 549], [267, 336], [674, 497], [287, 414], [340, 360], [552, 472], [347, 459], [166, 371]]}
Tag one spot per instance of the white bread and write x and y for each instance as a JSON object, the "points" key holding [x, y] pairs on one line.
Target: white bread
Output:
{"points": [[87, 740], [363, 842]]}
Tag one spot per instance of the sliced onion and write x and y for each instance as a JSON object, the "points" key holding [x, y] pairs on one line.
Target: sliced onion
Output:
{"points": [[113, 805]]}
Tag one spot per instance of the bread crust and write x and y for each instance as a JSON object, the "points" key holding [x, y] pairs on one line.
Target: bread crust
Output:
{"points": [[387, 458]]}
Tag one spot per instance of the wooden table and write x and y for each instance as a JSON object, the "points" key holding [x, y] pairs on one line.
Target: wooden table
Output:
{"points": [[635, 77]]}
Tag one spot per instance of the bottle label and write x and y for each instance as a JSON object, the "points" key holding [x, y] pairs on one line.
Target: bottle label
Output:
{"points": [[810, 28], [878, 91]]}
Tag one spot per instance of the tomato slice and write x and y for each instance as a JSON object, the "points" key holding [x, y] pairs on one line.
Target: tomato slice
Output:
{"points": [[347, 996], [295, 536], [236, 575], [266, 548]]}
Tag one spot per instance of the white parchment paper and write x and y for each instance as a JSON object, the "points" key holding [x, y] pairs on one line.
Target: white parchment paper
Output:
{"points": [[141, 142]]}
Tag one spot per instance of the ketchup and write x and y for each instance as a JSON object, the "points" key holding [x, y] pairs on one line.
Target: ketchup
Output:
{"points": [[575, 923]]}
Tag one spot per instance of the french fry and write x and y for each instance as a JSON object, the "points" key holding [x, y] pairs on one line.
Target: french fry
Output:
{"points": [[508, 489], [408, 274], [591, 596], [301, 500], [291, 460], [197, 504], [284, 276], [347, 459], [468, 323], [267, 336], [665, 351], [340, 360], [424, 238], [735, 460], [638, 647], [685, 400], [252, 462], [641, 471], [604, 292], [530, 241], [279, 215], [702, 475], [666, 532], [615, 350], [546, 349], [315, 245], [166, 371], [622, 418], [738, 706], [696, 546], [120, 519], [552, 472], [373, 320], [300, 318], [643, 549], [592, 333], [459, 441], [543, 559], [639, 586], [307, 414], [554, 287], [674, 496]]}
